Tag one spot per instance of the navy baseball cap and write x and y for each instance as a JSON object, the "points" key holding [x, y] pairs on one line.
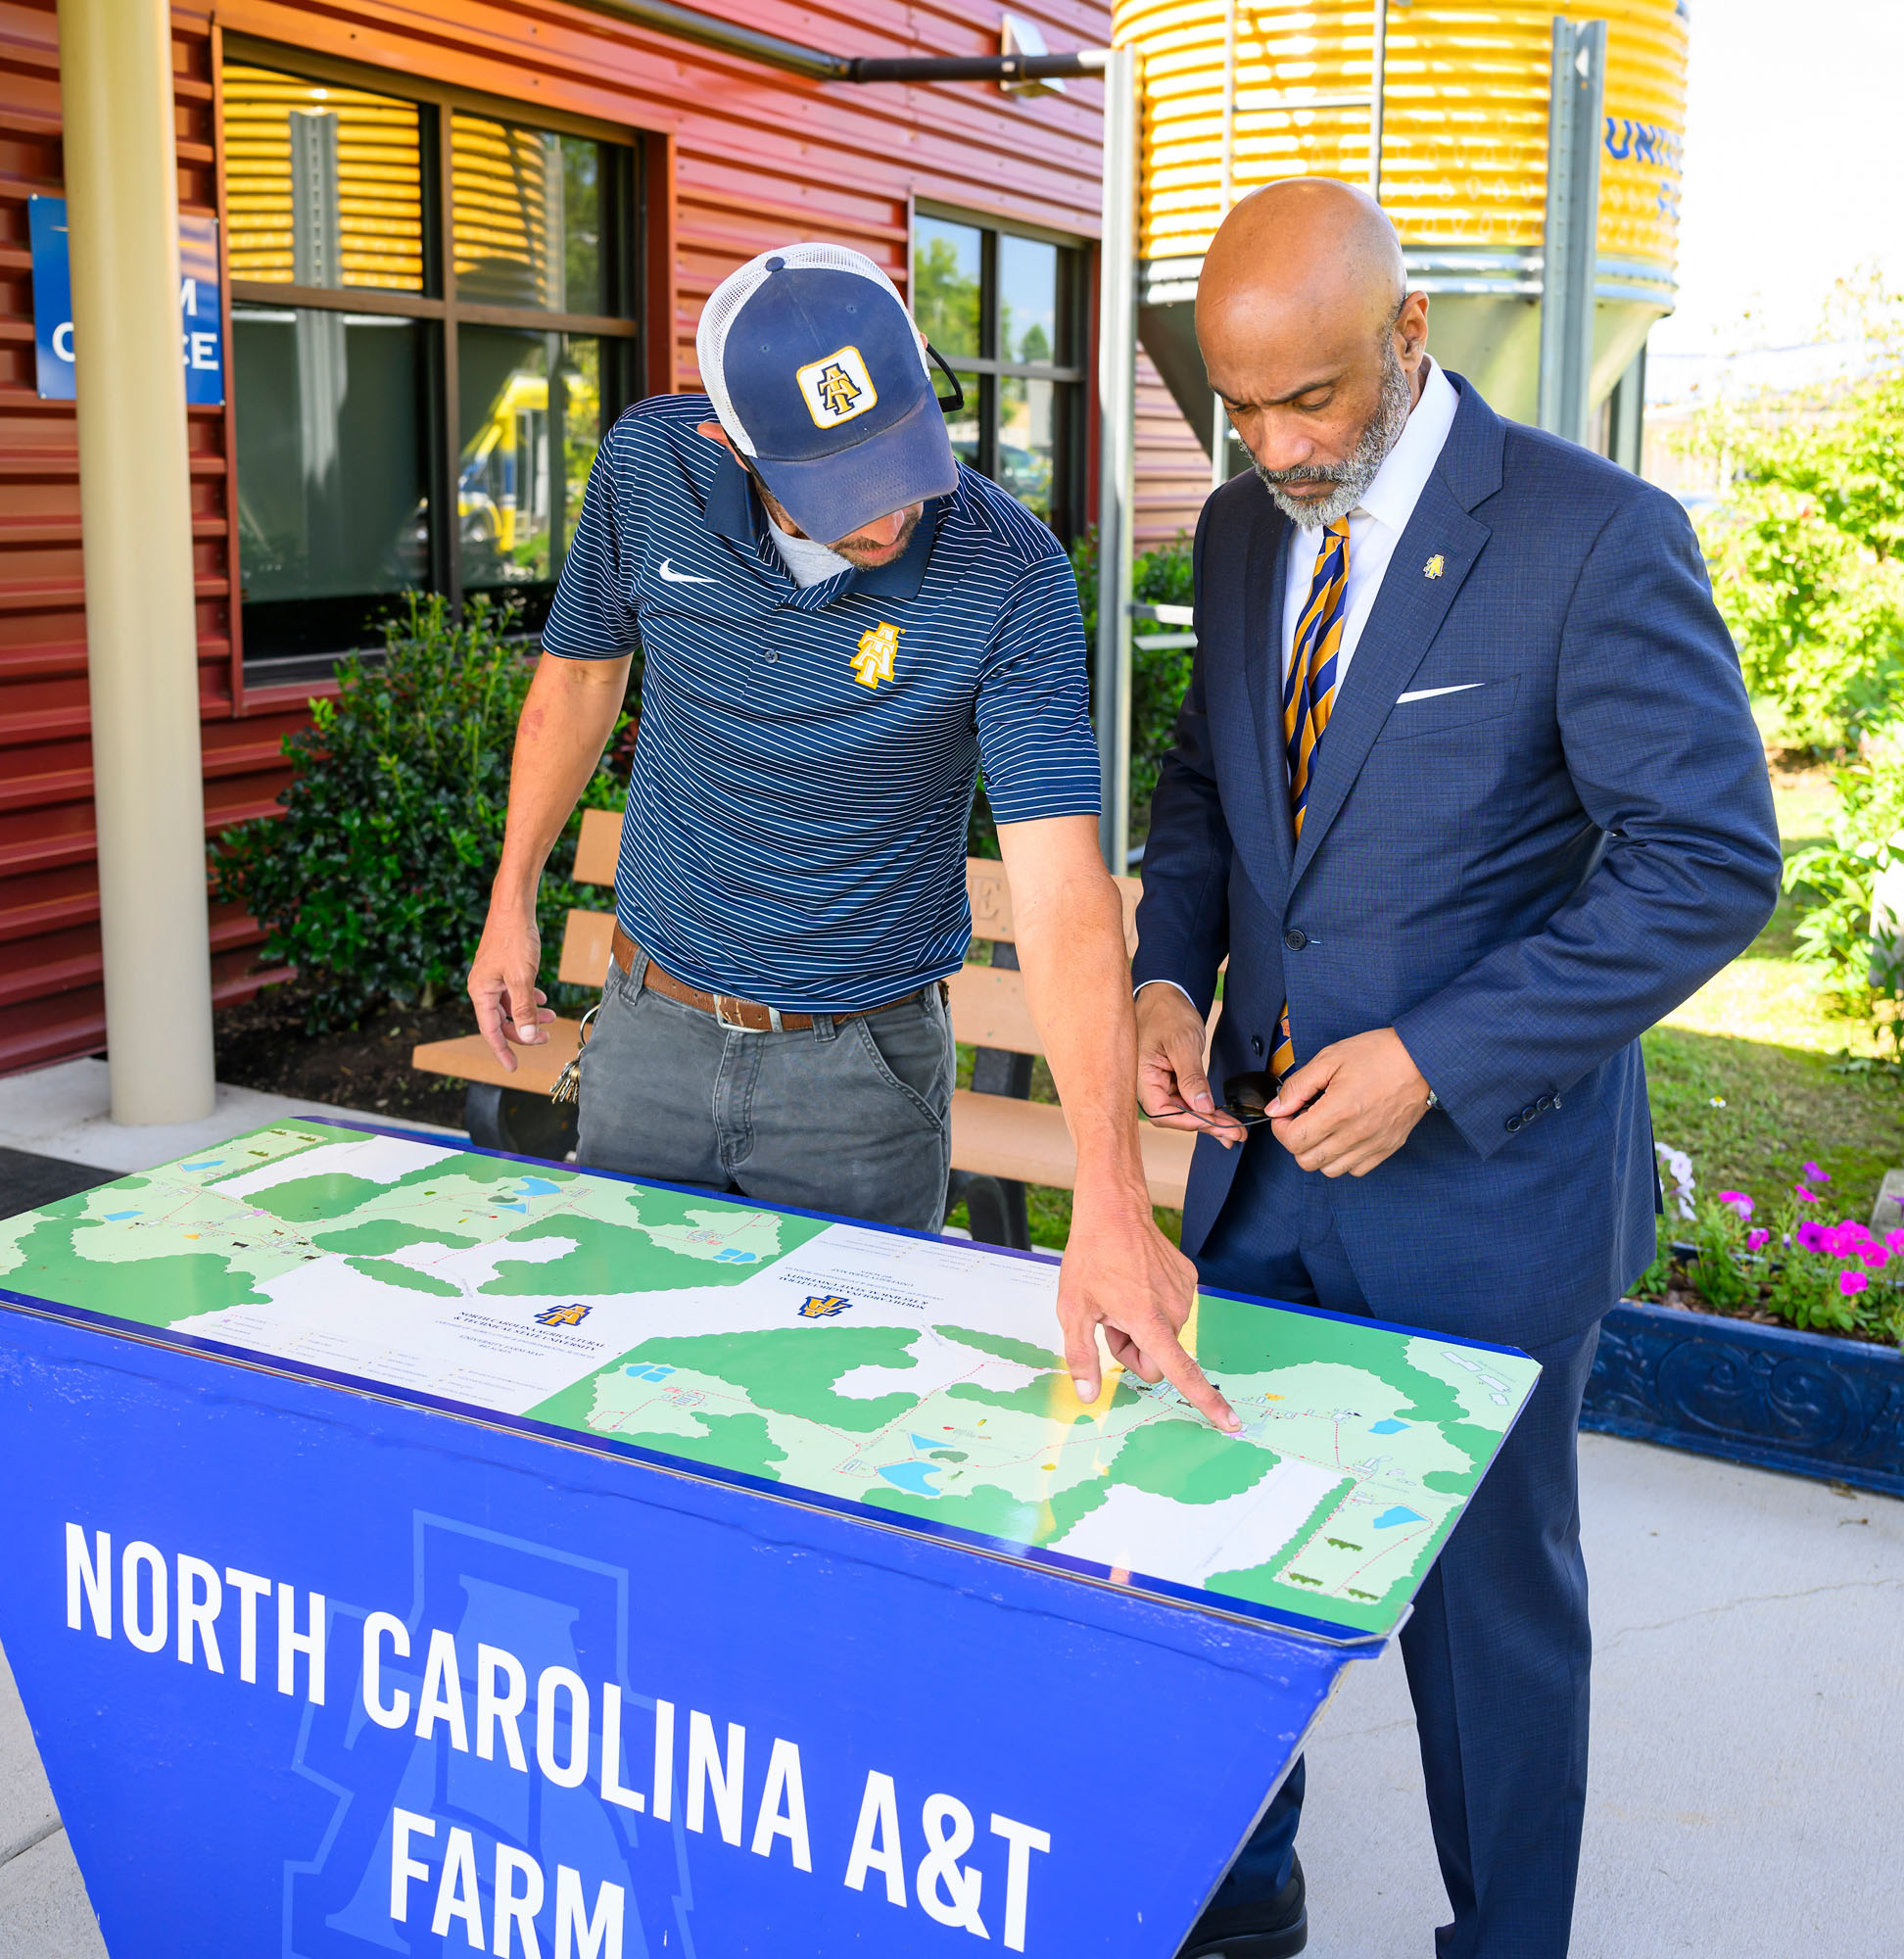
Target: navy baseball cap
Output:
{"points": [[821, 380]]}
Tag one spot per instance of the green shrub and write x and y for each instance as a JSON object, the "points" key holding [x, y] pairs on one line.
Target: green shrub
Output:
{"points": [[1836, 882], [376, 881]]}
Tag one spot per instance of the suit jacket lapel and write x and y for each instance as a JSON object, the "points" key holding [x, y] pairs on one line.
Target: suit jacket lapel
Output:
{"points": [[1407, 614], [1264, 583]]}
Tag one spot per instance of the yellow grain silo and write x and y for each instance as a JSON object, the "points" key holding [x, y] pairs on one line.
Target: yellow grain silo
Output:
{"points": [[1465, 94]]}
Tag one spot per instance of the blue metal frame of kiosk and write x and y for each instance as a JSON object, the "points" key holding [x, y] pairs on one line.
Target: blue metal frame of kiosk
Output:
{"points": [[496, 1687]]}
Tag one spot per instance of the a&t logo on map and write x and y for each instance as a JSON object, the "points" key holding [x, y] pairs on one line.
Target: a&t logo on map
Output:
{"points": [[564, 1315], [823, 1306]]}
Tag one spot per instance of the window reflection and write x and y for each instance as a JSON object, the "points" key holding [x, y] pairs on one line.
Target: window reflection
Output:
{"points": [[527, 216], [1027, 298], [947, 261], [324, 185], [1027, 442], [965, 425], [529, 425], [332, 507]]}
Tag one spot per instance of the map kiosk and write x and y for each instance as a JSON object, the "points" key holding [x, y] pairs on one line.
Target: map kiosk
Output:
{"points": [[422, 1551]]}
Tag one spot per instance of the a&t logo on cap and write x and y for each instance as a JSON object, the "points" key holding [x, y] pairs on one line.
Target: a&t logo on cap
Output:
{"points": [[837, 386]]}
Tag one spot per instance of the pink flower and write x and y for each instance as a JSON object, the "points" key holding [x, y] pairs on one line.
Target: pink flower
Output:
{"points": [[1805, 1196], [1739, 1201], [1846, 1239], [1850, 1283], [1816, 1174], [1754, 1239], [1813, 1238], [1895, 1240], [1874, 1254]]}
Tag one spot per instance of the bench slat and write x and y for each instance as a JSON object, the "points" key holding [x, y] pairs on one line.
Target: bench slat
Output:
{"points": [[992, 1135], [987, 888], [598, 848], [989, 1010], [468, 1059], [998, 1135], [586, 938]]}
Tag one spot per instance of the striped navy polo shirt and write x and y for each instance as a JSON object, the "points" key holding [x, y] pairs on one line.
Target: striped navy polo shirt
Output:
{"points": [[796, 831]]}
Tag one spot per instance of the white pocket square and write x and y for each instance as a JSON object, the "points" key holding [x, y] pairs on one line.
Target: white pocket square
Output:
{"points": [[1431, 693]]}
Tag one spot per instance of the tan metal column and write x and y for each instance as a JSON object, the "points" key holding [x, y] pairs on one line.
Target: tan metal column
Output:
{"points": [[121, 181]]}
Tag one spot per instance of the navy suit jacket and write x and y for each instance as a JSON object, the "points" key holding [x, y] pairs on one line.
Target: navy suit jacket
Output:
{"points": [[1519, 878]]}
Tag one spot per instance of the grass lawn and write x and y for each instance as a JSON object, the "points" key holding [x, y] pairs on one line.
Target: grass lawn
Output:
{"points": [[1747, 1077], [1760, 1039]]}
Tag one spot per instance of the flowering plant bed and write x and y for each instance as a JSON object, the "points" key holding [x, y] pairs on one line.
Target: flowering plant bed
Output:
{"points": [[1781, 1264], [1769, 1338]]}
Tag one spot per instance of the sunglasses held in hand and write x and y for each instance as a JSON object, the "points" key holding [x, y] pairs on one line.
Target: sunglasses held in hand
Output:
{"points": [[1246, 1100]]}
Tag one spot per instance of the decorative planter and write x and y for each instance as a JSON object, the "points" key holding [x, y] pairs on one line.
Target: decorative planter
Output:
{"points": [[1808, 1404]]}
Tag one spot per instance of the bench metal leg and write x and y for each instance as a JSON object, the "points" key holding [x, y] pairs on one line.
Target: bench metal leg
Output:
{"points": [[519, 1122], [996, 1208]]}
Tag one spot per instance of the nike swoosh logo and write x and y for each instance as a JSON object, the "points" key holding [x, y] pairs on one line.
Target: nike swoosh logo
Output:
{"points": [[669, 576]]}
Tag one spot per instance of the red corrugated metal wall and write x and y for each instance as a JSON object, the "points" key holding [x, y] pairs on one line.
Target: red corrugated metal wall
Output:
{"points": [[743, 158], [1172, 470], [49, 893]]}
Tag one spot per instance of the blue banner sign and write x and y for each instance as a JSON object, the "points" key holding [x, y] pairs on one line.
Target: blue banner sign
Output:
{"points": [[316, 1673], [415, 1550], [200, 309]]}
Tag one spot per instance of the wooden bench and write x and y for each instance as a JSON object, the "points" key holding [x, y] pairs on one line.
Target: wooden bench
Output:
{"points": [[1001, 1139]]}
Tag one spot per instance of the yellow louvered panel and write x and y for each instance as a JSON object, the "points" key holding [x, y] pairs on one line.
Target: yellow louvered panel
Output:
{"points": [[378, 219], [1464, 149], [501, 178]]}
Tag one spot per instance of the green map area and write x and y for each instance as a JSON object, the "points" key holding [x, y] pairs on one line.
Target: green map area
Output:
{"points": [[919, 1379]]}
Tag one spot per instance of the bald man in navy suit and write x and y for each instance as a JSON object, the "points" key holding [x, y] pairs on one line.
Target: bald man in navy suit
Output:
{"points": [[1467, 792]]}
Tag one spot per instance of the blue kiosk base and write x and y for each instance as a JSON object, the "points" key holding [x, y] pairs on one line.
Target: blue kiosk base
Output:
{"points": [[321, 1673]]}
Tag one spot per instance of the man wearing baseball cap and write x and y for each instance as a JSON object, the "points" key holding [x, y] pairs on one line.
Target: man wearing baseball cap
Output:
{"points": [[839, 625]]}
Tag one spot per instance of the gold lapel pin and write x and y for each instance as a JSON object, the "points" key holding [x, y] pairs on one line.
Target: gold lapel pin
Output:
{"points": [[1434, 567]]}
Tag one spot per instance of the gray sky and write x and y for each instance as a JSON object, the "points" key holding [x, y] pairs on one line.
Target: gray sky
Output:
{"points": [[1794, 172]]}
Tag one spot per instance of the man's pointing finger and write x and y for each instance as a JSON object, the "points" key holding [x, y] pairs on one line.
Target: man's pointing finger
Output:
{"points": [[1188, 1379]]}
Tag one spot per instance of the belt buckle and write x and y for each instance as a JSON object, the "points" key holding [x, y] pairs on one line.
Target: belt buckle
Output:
{"points": [[737, 1025]]}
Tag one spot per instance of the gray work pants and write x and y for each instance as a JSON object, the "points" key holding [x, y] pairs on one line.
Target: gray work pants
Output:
{"points": [[851, 1117]]}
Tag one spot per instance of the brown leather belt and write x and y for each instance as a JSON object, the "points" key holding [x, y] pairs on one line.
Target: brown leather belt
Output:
{"points": [[747, 1016]]}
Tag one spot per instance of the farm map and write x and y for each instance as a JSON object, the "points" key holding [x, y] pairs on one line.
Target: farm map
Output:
{"points": [[918, 1378]]}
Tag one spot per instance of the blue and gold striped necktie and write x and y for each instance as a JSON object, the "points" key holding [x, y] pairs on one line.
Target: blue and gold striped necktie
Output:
{"points": [[1308, 695]]}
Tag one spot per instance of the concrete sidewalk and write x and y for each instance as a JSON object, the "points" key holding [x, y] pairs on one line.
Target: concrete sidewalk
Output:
{"points": [[1748, 1732], [1748, 1742], [64, 1111]]}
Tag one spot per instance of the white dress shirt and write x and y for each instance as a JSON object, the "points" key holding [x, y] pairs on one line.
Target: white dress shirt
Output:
{"points": [[1376, 527], [1375, 524]]}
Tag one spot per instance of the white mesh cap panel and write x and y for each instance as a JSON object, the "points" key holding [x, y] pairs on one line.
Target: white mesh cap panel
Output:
{"points": [[724, 305]]}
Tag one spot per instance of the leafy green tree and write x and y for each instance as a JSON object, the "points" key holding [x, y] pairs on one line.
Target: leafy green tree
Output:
{"points": [[1807, 553]]}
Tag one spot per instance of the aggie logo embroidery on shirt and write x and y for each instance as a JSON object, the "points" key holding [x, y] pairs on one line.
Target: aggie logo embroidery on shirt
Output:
{"points": [[879, 647], [837, 386]]}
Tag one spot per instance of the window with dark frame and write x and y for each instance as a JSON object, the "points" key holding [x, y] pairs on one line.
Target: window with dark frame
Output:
{"points": [[1006, 310], [433, 307]]}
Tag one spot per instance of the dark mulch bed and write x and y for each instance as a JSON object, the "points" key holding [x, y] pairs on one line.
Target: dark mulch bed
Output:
{"points": [[262, 1044]]}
